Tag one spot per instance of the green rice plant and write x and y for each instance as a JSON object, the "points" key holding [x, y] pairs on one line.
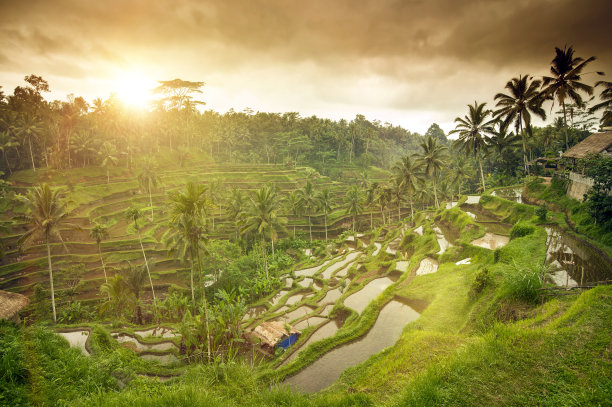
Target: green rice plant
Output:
{"points": [[522, 282], [520, 230]]}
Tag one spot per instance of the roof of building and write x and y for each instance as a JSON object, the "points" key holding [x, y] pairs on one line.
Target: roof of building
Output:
{"points": [[594, 144], [271, 332], [11, 304]]}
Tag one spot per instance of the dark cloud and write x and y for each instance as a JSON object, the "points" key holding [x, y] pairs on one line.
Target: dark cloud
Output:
{"points": [[427, 53]]}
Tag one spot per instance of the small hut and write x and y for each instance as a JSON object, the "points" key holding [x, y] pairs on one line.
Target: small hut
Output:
{"points": [[11, 304], [596, 143], [275, 334]]}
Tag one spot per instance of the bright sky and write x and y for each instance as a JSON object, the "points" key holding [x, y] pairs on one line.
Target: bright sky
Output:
{"points": [[407, 62]]}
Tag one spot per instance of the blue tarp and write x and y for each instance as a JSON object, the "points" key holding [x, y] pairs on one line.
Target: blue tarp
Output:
{"points": [[287, 342]]}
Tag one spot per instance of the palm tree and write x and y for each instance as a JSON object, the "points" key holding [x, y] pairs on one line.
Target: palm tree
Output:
{"points": [[354, 201], [135, 278], [370, 200], [384, 195], [186, 238], [408, 171], [108, 155], [432, 160], [294, 205], [262, 217], [28, 127], [235, 207], [564, 82], [522, 100], [46, 213], [473, 130], [148, 179], [460, 170], [606, 103], [309, 202], [187, 215], [132, 215], [215, 188], [118, 294], [397, 190], [7, 141], [500, 139], [325, 201], [99, 233]]}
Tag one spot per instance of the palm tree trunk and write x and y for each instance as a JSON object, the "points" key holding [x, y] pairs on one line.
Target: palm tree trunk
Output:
{"points": [[524, 147], [326, 227], [191, 277], [7, 164], [146, 265], [294, 230], [31, 155], [435, 191], [354, 222], [481, 174], [150, 200], [565, 125], [263, 246], [310, 227], [411, 208], [399, 213], [371, 220], [51, 281], [103, 267], [107, 175]]}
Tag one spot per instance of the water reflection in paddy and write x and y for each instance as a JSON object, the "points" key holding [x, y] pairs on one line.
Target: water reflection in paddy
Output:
{"points": [[297, 313], [308, 322], [325, 331], [491, 241], [338, 265], [362, 298], [331, 296], [77, 339], [574, 261], [386, 330]]}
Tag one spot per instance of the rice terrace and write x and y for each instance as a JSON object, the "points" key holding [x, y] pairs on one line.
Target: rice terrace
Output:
{"points": [[314, 221]]}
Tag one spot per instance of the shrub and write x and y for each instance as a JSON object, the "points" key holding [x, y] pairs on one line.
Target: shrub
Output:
{"points": [[496, 255], [481, 281], [520, 230], [522, 282], [541, 212]]}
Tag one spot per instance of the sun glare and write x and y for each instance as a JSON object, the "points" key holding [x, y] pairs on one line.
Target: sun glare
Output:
{"points": [[135, 90]]}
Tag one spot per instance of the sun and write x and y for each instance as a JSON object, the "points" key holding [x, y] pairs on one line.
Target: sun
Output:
{"points": [[135, 89]]}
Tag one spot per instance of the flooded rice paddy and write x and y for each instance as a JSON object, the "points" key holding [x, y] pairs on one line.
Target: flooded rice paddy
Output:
{"points": [[574, 261], [427, 266], [325, 331], [77, 339], [491, 241], [360, 300], [384, 333]]}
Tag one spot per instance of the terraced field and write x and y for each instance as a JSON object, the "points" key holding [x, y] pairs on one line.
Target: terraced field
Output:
{"points": [[92, 201]]}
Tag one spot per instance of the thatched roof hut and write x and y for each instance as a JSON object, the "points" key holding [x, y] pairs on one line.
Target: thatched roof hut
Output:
{"points": [[11, 304], [596, 143], [271, 333]]}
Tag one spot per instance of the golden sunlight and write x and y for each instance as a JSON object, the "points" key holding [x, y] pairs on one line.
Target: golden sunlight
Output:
{"points": [[135, 89]]}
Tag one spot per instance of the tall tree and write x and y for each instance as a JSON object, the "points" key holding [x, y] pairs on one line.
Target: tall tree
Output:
{"points": [[565, 81], [370, 200], [262, 218], [473, 129], [605, 104], [408, 171], [294, 205], [354, 202], [235, 207], [432, 160], [187, 215], [108, 155], [45, 215], [29, 127], [309, 202], [7, 141], [523, 98], [148, 179], [135, 277], [325, 202], [99, 233], [133, 214]]}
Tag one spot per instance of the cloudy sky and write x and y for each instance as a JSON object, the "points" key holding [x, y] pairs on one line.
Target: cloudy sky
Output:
{"points": [[407, 62]]}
